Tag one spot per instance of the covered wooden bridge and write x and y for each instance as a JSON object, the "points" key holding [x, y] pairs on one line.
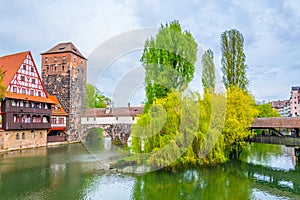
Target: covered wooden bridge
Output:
{"points": [[271, 130]]}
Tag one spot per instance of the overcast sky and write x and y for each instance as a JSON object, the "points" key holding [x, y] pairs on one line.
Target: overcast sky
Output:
{"points": [[271, 30]]}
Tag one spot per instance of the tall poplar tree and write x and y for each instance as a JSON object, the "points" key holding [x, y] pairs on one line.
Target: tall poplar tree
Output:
{"points": [[168, 60], [233, 59], [208, 70]]}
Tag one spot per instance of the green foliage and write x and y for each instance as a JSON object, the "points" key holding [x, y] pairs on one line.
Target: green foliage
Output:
{"points": [[240, 113], [181, 133], [208, 71], [266, 110], [168, 60], [233, 59], [94, 99], [95, 134]]}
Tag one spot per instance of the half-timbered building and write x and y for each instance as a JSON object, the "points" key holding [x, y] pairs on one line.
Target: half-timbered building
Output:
{"points": [[26, 109]]}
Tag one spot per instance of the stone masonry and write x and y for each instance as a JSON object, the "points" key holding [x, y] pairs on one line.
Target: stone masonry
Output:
{"points": [[64, 75]]}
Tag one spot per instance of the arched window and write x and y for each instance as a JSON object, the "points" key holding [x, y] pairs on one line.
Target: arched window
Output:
{"points": [[17, 136], [32, 134], [23, 136]]}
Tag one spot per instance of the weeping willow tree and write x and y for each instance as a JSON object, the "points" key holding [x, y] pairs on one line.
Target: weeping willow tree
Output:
{"points": [[168, 59]]}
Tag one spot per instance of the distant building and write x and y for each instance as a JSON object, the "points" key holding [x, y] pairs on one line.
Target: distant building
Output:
{"points": [[283, 107], [26, 108], [294, 101], [64, 75]]}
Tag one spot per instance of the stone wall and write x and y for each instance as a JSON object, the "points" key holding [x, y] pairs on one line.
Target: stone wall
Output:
{"points": [[64, 75], [117, 132], [20, 139]]}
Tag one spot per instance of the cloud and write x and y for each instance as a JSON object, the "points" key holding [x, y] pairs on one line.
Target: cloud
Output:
{"points": [[271, 30]]}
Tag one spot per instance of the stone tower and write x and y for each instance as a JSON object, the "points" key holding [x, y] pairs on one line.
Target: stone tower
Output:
{"points": [[64, 75]]}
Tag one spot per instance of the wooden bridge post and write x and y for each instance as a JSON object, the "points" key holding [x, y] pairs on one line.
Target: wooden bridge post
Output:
{"points": [[297, 133]]}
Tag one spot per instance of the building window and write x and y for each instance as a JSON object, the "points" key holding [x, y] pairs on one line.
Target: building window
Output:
{"points": [[23, 136], [55, 59], [13, 103], [61, 120], [15, 89], [32, 69], [74, 59], [39, 93], [46, 59], [27, 105], [23, 91], [32, 92], [64, 58], [17, 136], [33, 81], [117, 118], [45, 120], [34, 119], [46, 106], [21, 103], [41, 135], [32, 134], [24, 67], [22, 78], [62, 68]]}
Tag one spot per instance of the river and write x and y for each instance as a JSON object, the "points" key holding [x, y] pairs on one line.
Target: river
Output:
{"points": [[72, 172]]}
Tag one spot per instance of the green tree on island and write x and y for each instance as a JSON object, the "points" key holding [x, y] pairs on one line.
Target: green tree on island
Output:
{"points": [[233, 59], [240, 105], [94, 98], [168, 60]]}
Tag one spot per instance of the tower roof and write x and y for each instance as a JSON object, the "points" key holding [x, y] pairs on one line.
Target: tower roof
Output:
{"points": [[64, 47]]}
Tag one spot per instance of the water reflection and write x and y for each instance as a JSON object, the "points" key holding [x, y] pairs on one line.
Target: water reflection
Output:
{"points": [[72, 172]]}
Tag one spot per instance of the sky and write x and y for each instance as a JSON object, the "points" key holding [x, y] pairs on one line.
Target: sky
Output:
{"points": [[111, 34]]}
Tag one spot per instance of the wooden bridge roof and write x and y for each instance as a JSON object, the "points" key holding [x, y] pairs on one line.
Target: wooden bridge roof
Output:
{"points": [[113, 112], [276, 122]]}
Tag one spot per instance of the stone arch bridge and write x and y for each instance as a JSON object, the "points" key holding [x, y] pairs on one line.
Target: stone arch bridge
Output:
{"points": [[116, 122]]}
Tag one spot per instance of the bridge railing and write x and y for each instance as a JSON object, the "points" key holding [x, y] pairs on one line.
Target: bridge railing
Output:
{"points": [[281, 140]]}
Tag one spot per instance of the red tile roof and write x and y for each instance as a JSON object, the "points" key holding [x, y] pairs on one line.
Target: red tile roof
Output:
{"points": [[121, 111], [276, 122], [12, 95], [10, 64], [62, 112]]}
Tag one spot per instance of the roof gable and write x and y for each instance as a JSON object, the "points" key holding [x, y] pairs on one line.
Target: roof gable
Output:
{"points": [[10, 64], [21, 77]]}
